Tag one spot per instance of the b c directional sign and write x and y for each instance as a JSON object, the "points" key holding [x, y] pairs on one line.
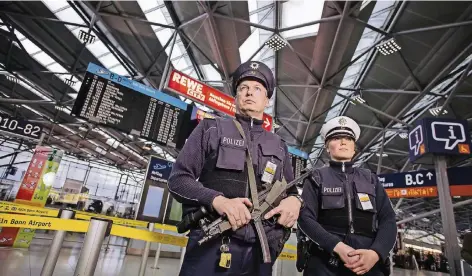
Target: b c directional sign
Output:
{"points": [[439, 136], [423, 183]]}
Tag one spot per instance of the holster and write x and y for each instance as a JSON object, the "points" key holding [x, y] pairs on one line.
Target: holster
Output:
{"points": [[385, 267], [303, 253]]}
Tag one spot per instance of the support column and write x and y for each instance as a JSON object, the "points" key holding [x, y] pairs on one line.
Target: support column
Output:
{"points": [[56, 245], [97, 230], [142, 268], [158, 251], [447, 216]]}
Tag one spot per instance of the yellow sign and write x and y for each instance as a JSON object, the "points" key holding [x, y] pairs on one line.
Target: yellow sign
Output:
{"points": [[290, 247], [10, 207], [133, 233], [34, 222], [28, 223], [120, 221], [288, 256]]}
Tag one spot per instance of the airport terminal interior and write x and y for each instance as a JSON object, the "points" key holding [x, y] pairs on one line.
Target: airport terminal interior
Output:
{"points": [[97, 99]]}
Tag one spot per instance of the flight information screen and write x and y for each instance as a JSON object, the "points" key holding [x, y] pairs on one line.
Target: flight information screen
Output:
{"points": [[112, 100], [299, 160]]}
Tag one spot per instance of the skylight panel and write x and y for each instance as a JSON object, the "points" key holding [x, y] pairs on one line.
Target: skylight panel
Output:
{"points": [[56, 68], [69, 15], [19, 35], [300, 12], [108, 60], [210, 72], [156, 16], [249, 46], [44, 58], [55, 5], [98, 48], [30, 47], [120, 70], [147, 5]]}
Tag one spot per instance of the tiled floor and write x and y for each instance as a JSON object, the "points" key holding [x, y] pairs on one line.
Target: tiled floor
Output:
{"points": [[23, 262]]}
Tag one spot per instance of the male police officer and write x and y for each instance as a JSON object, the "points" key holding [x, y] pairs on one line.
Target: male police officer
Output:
{"points": [[347, 216], [215, 154]]}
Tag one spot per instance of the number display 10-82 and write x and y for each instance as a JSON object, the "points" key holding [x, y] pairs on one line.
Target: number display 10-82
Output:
{"points": [[19, 127]]}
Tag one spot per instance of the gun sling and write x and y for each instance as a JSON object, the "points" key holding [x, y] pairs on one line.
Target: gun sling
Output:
{"points": [[255, 199]]}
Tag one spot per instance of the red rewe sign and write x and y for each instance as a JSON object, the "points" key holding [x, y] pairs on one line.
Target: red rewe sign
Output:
{"points": [[193, 89]]}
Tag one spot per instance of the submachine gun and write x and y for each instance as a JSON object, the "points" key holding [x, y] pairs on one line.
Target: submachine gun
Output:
{"points": [[214, 226]]}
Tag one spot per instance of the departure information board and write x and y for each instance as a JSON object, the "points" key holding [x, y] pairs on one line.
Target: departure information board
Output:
{"points": [[115, 101], [299, 160]]}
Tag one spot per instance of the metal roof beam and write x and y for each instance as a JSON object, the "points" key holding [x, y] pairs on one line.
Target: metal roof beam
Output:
{"points": [[433, 28], [322, 20], [242, 21], [375, 110], [215, 37], [134, 18], [27, 102], [328, 63], [427, 89], [462, 78], [307, 68], [435, 211], [175, 19], [55, 20]]}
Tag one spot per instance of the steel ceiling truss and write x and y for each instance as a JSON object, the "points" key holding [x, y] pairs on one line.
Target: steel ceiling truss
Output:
{"points": [[211, 14]]}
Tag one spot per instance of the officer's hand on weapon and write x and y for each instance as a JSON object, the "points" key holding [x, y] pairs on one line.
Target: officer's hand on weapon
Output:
{"points": [[367, 259], [343, 251], [235, 209], [289, 209]]}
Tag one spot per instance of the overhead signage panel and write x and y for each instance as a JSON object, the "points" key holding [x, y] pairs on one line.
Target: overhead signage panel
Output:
{"points": [[439, 136], [109, 99], [423, 183], [186, 86], [19, 127]]}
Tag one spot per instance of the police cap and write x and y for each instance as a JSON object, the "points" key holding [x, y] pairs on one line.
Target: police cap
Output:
{"points": [[340, 126], [255, 70]]}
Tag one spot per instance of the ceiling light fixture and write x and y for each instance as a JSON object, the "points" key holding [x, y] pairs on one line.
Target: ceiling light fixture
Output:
{"points": [[276, 42], [357, 98], [86, 37], [70, 82], [435, 111], [388, 47], [403, 135], [12, 78], [61, 108]]}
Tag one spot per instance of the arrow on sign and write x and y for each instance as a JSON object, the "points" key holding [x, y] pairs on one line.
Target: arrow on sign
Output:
{"points": [[266, 123], [429, 175]]}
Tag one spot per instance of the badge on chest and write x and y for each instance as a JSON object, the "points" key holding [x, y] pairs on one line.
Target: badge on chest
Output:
{"points": [[269, 172], [365, 201]]}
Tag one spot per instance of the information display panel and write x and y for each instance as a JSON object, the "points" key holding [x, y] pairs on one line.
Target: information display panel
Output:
{"points": [[115, 101], [19, 127], [155, 192], [299, 160]]}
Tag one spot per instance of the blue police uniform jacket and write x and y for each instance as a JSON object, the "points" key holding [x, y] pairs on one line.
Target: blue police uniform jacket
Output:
{"points": [[212, 163], [325, 217]]}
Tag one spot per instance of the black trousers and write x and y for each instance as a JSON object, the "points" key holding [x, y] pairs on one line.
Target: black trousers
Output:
{"points": [[317, 266], [246, 258]]}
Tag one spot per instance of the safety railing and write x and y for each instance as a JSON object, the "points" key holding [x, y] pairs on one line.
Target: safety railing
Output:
{"points": [[97, 228]]}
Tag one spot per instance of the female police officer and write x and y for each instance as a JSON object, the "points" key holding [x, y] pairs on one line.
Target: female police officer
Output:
{"points": [[210, 171], [347, 215]]}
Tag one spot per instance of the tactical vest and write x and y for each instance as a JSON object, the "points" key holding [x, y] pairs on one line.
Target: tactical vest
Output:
{"points": [[225, 168], [333, 212]]}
